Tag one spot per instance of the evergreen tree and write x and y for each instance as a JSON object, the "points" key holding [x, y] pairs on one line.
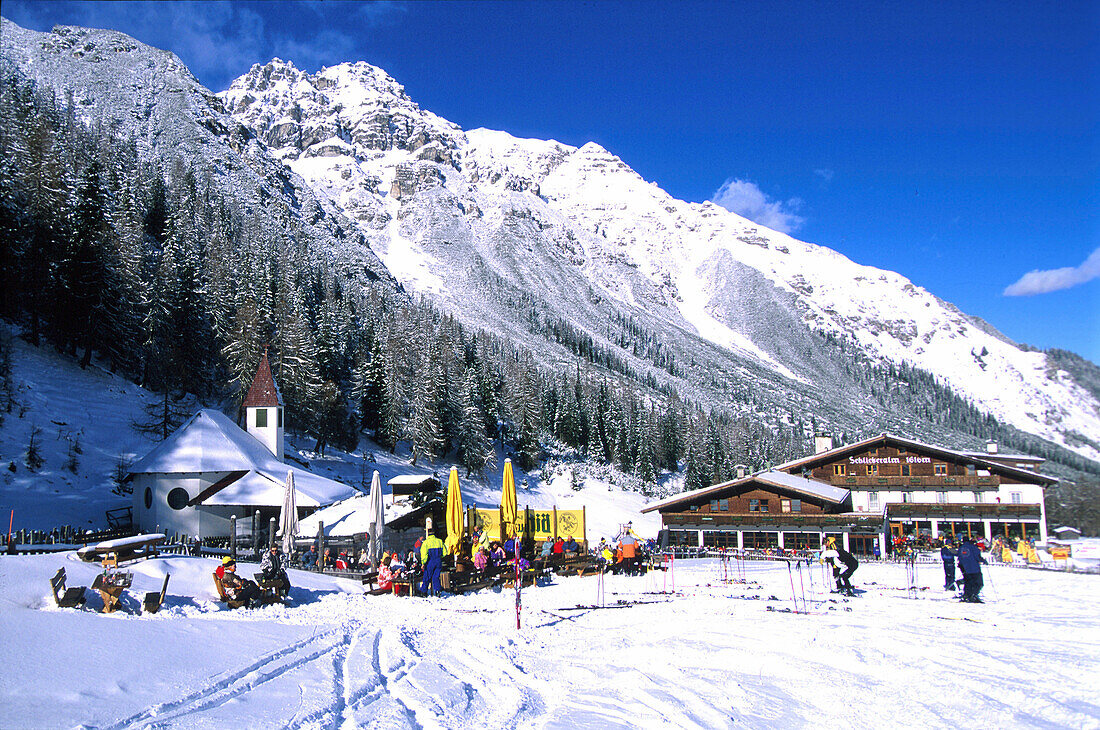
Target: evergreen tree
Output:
{"points": [[83, 269], [475, 450]]}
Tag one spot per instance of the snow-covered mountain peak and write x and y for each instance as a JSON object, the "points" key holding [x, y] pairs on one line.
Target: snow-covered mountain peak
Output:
{"points": [[596, 243], [350, 110]]}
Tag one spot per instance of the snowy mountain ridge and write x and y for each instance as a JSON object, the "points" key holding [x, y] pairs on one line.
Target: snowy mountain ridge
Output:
{"points": [[431, 198]]}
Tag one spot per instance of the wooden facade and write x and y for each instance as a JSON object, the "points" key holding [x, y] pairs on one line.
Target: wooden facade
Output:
{"points": [[866, 492]]}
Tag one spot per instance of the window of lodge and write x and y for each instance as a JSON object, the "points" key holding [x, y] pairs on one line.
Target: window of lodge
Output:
{"points": [[838, 470], [872, 470], [940, 469]]}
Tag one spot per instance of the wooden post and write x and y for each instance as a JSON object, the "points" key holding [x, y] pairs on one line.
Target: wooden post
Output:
{"points": [[233, 537], [554, 517], [320, 547], [584, 527], [270, 533]]}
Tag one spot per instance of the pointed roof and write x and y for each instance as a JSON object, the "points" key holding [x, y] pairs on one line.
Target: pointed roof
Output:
{"points": [[263, 393], [772, 478], [210, 442]]}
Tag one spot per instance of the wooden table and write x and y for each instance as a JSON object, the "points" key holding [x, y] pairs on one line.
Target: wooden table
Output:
{"points": [[110, 587]]}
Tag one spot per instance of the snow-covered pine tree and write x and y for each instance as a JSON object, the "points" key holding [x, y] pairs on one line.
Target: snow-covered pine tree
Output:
{"points": [[475, 450], [82, 271]]}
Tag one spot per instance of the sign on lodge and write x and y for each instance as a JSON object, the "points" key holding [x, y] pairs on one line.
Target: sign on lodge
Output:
{"points": [[545, 524], [863, 494]]}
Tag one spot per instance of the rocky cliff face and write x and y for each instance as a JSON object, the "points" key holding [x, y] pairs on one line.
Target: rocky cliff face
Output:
{"points": [[584, 236]]}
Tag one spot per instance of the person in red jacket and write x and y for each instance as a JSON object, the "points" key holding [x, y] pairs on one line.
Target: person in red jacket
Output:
{"points": [[559, 547]]}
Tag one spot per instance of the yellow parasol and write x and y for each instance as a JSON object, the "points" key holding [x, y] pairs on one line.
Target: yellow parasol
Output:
{"points": [[454, 512], [508, 501]]}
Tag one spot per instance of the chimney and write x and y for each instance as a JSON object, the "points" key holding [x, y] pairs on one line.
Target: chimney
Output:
{"points": [[991, 447], [742, 471], [823, 441]]}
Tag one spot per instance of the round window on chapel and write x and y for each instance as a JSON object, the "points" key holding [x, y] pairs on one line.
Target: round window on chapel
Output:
{"points": [[148, 498], [177, 498]]}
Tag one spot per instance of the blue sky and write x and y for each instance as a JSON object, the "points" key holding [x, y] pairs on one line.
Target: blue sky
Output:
{"points": [[956, 143]]}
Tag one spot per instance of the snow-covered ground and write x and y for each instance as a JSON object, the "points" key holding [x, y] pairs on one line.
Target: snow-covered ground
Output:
{"points": [[699, 657]]}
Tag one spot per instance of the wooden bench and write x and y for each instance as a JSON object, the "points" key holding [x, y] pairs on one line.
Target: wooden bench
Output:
{"points": [[110, 586], [267, 593], [154, 600], [66, 597]]}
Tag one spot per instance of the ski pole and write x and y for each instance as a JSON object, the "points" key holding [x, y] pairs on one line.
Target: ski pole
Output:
{"points": [[802, 584], [794, 596], [992, 588]]}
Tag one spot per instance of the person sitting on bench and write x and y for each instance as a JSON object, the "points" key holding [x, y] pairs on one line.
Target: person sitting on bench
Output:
{"points": [[237, 588], [571, 547], [386, 574], [309, 558], [481, 562], [273, 567]]}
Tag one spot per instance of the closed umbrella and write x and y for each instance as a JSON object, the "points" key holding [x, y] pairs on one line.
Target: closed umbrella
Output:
{"points": [[454, 512], [288, 520], [378, 520], [508, 502]]}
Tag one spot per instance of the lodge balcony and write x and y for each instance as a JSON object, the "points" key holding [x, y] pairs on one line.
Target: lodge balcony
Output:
{"points": [[794, 520], [903, 483], [971, 511]]}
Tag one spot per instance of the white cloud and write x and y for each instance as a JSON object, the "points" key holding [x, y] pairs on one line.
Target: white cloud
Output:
{"points": [[746, 199], [1042, 282], [825, 174]]}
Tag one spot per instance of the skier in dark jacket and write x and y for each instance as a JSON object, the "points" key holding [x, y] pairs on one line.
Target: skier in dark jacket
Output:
{"points": [[947, 554], [970, 563], [843, 581]]}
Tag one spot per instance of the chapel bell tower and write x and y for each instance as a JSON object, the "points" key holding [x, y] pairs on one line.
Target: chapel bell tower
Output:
{"points": [[263, 410]]}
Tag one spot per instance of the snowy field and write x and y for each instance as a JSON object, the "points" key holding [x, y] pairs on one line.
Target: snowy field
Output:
{"points": [[702, 656]]}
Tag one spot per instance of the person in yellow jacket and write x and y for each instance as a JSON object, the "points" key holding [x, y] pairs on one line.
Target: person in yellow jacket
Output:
{"points": [[431, 557]]}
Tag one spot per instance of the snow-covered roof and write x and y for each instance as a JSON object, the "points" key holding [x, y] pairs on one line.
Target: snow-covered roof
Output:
{"points": [[411, 479], [350, 516], [804, 485], [210, 442], [780, 479], [264, 489], [1002, 455]]}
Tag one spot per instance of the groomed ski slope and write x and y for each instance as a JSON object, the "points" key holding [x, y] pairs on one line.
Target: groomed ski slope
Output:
{"points": [[701, 657]]}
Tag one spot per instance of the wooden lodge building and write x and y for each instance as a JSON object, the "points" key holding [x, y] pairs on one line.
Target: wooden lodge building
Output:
{"points": [[865, 493]]}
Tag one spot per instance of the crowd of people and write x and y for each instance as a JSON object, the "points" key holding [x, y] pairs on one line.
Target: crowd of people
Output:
{"points": [[484, 559]]}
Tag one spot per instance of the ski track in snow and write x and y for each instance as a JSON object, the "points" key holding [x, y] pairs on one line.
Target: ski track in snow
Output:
{"points": [[694, 657]]}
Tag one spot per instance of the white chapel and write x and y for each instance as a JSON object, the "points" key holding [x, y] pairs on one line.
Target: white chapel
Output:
{"points": [[210, 469]]}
